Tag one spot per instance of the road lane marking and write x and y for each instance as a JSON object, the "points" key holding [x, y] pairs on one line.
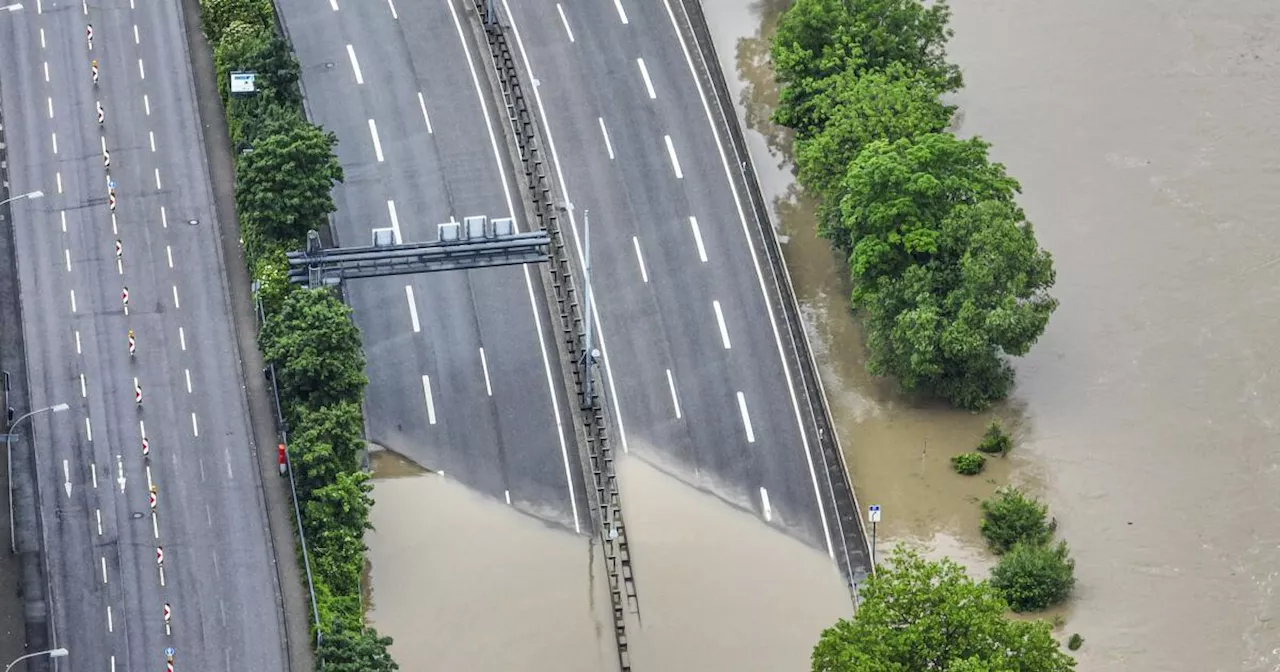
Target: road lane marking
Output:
{"points": [[150, 483], [168, 253], [377, 144], [422, 102], [187, 373], [157, 179], [648, 83], [182, 338], [146, 103], [68, 255], [622, 13], [135, 34], [644, 275], [764, 501], [73, 300], [773, 322], [84, 390], [42, 38], [484, 365], [104, 568], [62, 214], [413, 309], [77, 341], [528, 282], [395, 221], [55, 142], [66, 477], [104, 146], [565, 21], [675, 401], [605, 132], [98, 514], [142, 73], [58, 177], [114, 230], [46, 72], [355, 64], [508, 495], [152, 136], [675, 161], [334, 4], [164, 219], [431, 404], [746, 418], [195, 426], [120, 266], [50, 98], [93, 473], [113, 656], [110, 625], [697, 238], [724, 331], [175, 297], [394, 14], [155, 525], [161, 576]]}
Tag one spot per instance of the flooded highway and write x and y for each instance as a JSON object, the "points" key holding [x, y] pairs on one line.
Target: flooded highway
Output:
{"points": [[1145, 136]]}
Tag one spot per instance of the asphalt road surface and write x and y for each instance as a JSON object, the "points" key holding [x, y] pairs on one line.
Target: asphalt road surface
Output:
{"points": [[701, 384], [463, 372], [76, 256]]}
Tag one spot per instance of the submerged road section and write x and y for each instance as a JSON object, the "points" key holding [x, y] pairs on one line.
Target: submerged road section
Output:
{"points": [[463, 370], [155, 528]]}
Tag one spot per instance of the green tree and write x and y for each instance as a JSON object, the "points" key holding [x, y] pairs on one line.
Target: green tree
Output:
{"points": [[946, 323], [283, 186], [316, 349], [248, 47], [1011, 518], [271, 270], [1033, 577], [217, 15], [324, 443], [918, 616], [343, 649], [819, 39], [335, 517]]}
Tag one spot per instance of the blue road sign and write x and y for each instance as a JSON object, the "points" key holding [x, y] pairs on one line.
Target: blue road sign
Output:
{"points": [[168, 651], [873, 512], [111, 184]]}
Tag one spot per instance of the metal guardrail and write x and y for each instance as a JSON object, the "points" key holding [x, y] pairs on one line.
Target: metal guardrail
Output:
{"points": [[853, 549], [611, 528]]}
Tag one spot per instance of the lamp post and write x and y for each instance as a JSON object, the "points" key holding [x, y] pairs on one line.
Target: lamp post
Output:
{"points": [[30, 194], [8, 457], [52, 653]]}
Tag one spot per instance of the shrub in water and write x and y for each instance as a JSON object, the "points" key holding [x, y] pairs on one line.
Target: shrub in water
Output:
{"points": [[1035, 577], [1075, 642], [996, 441], [1011, 517], [968, 464]]}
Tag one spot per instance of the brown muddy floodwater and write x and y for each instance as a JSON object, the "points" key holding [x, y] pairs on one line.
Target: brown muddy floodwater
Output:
{"points": [[1146, 137], [463, 582]]}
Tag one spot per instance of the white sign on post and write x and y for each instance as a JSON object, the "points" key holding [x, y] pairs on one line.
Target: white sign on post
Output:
{"points": [[873, 512], [243, 82]]}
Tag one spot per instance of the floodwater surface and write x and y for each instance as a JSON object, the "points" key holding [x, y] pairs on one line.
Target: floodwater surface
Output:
{"points": [[1145, 135]]}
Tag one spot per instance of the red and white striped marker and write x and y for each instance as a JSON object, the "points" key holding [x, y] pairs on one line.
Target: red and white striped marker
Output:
{"points": [[88, 34], [124, 295], [146, 446], [119, 249], [137, 392], [102, 114], [152, 497], [168, 616], [133, 347], [170, 668], [95, 72], [106, 158], [111, 199], [159, 555]]}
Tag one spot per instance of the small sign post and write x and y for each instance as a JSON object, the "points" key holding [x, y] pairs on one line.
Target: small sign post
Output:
{"points": [[873, 514]]}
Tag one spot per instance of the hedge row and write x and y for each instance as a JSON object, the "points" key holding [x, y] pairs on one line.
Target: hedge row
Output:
{"points": [[285, 171], [947, 273]]}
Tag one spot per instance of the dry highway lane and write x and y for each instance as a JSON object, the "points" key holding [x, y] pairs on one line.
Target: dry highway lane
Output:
{"points": [[463, 370], [156, 528]]}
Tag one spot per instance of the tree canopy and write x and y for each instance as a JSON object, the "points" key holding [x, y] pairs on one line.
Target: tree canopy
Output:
{"points": [[1032, 577], [283, 186], [345, 649], [217, 15], [316, 349], [922, 616], [1012, 517]]}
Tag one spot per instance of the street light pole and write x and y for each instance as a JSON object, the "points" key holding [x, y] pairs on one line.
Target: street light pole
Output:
{"points": [[52, 653], [8, 457], [30, 194]]}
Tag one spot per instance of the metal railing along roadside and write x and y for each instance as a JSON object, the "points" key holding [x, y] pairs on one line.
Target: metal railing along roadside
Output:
{"points": [[853, 549], [610, 527], [283, 428]]}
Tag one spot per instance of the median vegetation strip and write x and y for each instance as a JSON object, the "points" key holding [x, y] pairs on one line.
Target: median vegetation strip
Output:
{"points": [[285, 172]]}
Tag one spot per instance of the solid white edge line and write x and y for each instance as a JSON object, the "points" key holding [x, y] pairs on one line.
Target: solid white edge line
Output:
{"points": [[573, 226], [528, 282], [484, 365], [742, 217], [746, 418], [724, 330], [675, 400], [413, 309], [644, 274], [605, 132], [697, 238], [675, 161], [395, 221], [765, 505], [422, 103], [644, 74], [565, 21], [622, 13], [355, 64], [431, 404], [377, 144]]}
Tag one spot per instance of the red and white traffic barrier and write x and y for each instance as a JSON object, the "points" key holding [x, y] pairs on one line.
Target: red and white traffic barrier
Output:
{"points": [[159, 555], [146, 446], [102, 114]]}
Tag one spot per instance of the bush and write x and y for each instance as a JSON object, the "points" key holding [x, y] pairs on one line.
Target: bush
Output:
{"points": [[218, 15], [995, 441], [1011, 517], [1075, 642], [968, 464], [316, 349], [1035, 577]]}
